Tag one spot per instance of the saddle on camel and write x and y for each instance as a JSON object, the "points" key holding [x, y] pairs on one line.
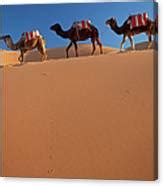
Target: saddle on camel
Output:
{"points": [[84, 24], [138, 20], [80, 25], [27, 36]]}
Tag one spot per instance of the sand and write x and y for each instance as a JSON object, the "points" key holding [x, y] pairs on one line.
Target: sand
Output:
{"points": [[85, 117]]}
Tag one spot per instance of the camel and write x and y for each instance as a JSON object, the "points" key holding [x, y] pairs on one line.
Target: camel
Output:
{"points": [[125, 30], [75, 35], [24, 46]]}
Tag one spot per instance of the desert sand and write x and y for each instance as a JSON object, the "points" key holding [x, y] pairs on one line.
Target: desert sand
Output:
{"points": [[85, 117]]}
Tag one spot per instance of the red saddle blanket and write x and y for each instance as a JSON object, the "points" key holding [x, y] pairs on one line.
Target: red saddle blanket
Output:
{"points": [[84, 24], [138, 20], [30, 35]]}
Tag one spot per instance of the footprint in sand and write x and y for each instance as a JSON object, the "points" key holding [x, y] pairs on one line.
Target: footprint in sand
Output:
{"points": [[50, 171], [125, 96], [50, 157], [44, 74]]}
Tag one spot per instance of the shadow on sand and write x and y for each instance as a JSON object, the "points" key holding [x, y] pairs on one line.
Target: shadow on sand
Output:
{"points": [[144, 46], [60, 53], [140, 47], [18, 65]]}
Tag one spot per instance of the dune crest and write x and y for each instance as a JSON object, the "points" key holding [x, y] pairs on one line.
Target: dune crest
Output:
{"points": [[10, 57]]}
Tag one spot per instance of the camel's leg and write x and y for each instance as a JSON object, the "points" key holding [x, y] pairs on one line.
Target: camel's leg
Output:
{"points": [[122, 43], [100, 45], [41, 48], [149, 41], [132, 42], [21, 57], [67, 49], [44, 56], [94, 46], [76, 48], [42, 51]]}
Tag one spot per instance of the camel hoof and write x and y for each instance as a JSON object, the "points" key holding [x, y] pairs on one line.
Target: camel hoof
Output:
{"points": [[149, 46], [20, 60], [122, 50], [44, 57]]}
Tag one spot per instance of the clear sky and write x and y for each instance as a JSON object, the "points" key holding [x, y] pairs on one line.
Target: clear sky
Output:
{"points": [[20, 18]]}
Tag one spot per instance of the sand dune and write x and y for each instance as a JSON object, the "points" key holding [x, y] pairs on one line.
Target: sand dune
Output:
{"points": [[86, 117], [59, 53], [10, 57]]}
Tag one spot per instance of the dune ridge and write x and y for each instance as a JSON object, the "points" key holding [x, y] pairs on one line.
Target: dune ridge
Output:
{"points": [[10, 57]]}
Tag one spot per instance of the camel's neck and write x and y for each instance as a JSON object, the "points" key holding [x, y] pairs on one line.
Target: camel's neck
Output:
{"points": [[9, 42], [117, 29], [62, 33]]}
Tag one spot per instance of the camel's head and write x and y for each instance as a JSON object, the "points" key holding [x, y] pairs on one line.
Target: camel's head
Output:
{"points": [[4, 37], [111, 22], [55, 27]]}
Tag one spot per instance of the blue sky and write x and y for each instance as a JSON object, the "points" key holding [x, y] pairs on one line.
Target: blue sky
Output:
{"points": [[19, 18]]}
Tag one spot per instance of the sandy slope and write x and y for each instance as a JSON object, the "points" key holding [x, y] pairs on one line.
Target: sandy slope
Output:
{"points": [[11, 57], [87, 117], [8, 57]]}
